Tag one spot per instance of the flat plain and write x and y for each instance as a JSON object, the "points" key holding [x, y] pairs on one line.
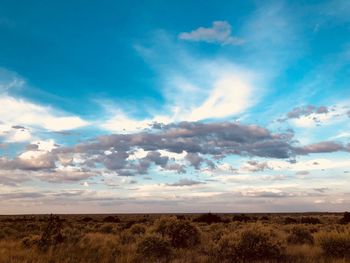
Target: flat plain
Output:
{"points": [[300, 237]]}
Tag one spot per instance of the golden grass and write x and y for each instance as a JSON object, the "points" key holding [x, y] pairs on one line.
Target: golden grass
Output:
{"points": [[139, 238]]}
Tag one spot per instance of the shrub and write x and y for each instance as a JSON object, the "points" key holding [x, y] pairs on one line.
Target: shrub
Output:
{"points": [[86, 219], [241, 218], [310, 220], [336, 244], [51, 235], [182, 233], [111, 219], [30, 241], [154, 246], [250, 245], [264, 218], [346, 218], [290, 220], [137, 229], [208, 218], [300, 235], [72, 235], [181, 217], [126, 237], [97, 247], [128, 224], [106, 228]]}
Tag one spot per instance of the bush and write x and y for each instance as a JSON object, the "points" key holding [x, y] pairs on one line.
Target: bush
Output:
{"points": [[346, 218], [310, 220], [182, 233], [241, 218], [86, 219], [154, 246], [111, 219], [51, 235], [290, 220], [97, 247], [181, 217], [30, 241], [106, 228], [300, 235], [336, 244], [208, 218], [126, 237], [250, 245], [137, 229]]}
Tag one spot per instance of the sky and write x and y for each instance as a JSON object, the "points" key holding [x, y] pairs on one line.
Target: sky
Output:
{"points": [[174, 106]]}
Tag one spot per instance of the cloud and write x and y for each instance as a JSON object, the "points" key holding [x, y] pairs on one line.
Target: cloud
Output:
{"points": [[322, 147], [123, 124], [185, 182], [10, 80], [66, 175], [19, 112], [231, 94], [255, 166], [219, 33], [302, 173], [306, 111], [201, 143], [14, 179], [310, 116]]}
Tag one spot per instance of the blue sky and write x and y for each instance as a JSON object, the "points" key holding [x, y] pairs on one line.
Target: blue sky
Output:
{"points": [[227, 106]]}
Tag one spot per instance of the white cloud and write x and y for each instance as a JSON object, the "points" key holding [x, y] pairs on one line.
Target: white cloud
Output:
{"points": [[309, 165], [220, 33], [341, 135], [123, 124], [14, 111], [9, 80], [230, 95]]}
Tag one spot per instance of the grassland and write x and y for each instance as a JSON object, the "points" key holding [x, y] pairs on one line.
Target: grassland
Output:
{"points": [[175, 238]]}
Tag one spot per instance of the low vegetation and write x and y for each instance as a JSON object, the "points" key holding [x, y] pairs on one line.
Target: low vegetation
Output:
{"points": [[206, 238]]}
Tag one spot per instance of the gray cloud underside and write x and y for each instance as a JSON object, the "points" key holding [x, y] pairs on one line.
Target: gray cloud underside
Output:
{"points": [[205, 143], [306, 111]]}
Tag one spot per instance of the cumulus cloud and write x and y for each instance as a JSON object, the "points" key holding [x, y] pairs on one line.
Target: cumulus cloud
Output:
{"points": [[172, 147], [219, 33]]}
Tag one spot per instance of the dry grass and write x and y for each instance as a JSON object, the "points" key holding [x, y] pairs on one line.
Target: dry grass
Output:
{"points": [[176, 239]]}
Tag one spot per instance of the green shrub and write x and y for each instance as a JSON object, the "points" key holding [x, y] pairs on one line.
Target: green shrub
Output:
{"points": [[300, 235], [249, 246], [336, 244], [182, 233], [154, 246]]}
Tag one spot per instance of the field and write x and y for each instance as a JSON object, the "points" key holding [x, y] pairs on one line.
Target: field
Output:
{"points": [[178, 238]]}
